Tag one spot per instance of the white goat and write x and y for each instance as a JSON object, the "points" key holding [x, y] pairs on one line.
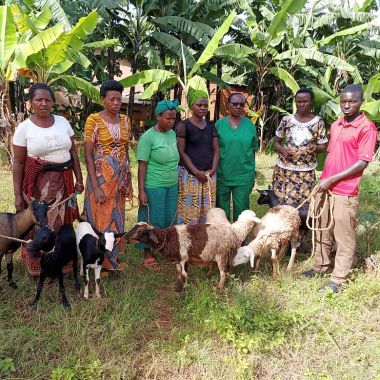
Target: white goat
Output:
{"points": [[278, 226]]}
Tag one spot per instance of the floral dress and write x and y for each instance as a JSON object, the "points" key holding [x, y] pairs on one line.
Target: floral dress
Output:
{"points": [[294, 178]]}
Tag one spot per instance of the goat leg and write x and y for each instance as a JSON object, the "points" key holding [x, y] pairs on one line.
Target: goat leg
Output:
{"points": [[75, 273], [86, 279], [39, 288], [9, 260], [97, 282], [293, 244], [179, 283], [65, 301], [275, 269], [257, 265]]}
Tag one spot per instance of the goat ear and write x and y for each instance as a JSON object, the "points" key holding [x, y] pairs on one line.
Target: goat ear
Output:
{"points": [[102, 240], [121, 234], [152, 236], [27, 199], [257, 220], [96, 231]]}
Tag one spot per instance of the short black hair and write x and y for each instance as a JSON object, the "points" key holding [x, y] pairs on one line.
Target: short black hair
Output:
{"points": [[110, 85], [236, 93], [39, 86], [354, 88], [305, 90]]}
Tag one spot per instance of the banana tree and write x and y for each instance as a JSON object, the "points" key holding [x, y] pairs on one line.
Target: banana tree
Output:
{"points": [[162, 80]]}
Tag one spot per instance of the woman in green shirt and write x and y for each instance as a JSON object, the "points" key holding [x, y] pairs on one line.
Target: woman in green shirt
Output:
{"points": [[158, 158], [236, 170]]}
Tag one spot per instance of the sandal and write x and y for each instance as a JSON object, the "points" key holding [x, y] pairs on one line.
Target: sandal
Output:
{"points": [[152, 264]]}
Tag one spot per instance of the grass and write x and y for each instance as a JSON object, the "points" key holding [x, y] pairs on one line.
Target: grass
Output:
{"points": [[256, 329]]}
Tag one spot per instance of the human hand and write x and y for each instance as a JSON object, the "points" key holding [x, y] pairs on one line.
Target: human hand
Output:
{"points": [[20, 203], [79, 188], [311, 149], [99, 195], [143, 199], [201, 176], [324, 185], [286, 153]]}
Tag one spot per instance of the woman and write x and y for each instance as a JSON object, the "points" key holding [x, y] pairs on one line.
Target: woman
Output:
{"points": [[236, 170], [106, 136], [45, 158], [158, 158], [303, 135], [198, 146]]}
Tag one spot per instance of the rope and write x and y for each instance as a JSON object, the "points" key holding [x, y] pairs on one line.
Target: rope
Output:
{"points": [[71, 196], [147, 218], [15, 239]]}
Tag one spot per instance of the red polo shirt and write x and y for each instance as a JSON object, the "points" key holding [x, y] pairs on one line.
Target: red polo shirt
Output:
{"points": [[349, 143]]}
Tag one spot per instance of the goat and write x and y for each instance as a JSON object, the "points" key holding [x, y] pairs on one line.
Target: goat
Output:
{"points": [[269, 197], [279, 225], [92, 246], [198, 244], [17, 225], [57, 250]]}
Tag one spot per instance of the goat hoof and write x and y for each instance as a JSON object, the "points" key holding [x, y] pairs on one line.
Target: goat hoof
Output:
{"points": [[66, 305], [33, 305], [13, 285], [77, 287], [179, 286]]}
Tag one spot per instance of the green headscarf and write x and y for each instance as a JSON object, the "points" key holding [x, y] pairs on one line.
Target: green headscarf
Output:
{"points": [[195, 95], [164, 105]]}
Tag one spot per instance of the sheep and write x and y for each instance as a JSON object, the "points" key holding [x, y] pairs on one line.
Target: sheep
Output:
{"points": [[279, 225], [16, 226], [57, 250], [199, 244], [91, 247]]}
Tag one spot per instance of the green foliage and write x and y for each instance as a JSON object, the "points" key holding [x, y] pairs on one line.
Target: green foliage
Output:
{"points": [[92, 371], [6, 365]]}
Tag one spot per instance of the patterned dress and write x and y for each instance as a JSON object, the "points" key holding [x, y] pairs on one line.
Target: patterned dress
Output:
{"points": [[194, 197], [113, 174], [293, 178]]}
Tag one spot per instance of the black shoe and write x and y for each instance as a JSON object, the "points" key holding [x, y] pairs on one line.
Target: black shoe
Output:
{"points": [[311, 273], [336, 288]]}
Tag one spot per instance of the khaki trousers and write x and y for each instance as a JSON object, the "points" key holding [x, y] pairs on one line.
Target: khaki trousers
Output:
{"points": [[342, 232]]}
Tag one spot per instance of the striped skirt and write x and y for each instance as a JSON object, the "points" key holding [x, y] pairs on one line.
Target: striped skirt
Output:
{"points": [[292, 187], [194, 198]]}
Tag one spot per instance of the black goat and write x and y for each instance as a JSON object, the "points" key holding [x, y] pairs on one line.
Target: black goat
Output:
{"points": [[56, 252], [270, 198], [17, 226]]}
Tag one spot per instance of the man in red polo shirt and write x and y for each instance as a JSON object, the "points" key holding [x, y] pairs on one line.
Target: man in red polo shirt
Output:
{"points": [[351, 148]]}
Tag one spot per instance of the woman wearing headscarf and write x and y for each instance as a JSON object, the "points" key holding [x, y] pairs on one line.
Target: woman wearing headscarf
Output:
{"points": [[236, 171], [198, 147], [158, 158]]}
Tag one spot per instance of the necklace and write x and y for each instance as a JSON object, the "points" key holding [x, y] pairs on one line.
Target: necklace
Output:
{"points": [[233, 125]]}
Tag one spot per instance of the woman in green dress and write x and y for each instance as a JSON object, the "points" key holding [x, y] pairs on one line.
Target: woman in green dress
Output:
{"points": [[158, 158], [236, 171]]}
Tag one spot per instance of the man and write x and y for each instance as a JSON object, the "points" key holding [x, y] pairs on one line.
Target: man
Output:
{"points": [[351, 148]]}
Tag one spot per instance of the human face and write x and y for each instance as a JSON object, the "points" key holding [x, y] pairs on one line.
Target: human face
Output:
{"points": [[200, 108], [112, 102], [303, 103], [42, 103], [236, 105], [350, 103], [166, 120]]}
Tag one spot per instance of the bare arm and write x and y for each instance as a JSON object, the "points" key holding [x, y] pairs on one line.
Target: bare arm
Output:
{"points": [[90, 164], [321, 147], [356, 168], [18, 175], [129, 189], [141, 182], [79, 187], [215, 155]]}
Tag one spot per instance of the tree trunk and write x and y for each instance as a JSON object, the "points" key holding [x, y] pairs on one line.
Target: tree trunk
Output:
{"points": [[218, 93]]}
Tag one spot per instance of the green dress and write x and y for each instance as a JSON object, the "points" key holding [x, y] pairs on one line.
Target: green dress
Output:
{"points": [[236, 169]]}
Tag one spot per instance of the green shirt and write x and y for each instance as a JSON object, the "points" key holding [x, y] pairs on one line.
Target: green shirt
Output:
{"points": [[237, 152], [159, 149]]}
